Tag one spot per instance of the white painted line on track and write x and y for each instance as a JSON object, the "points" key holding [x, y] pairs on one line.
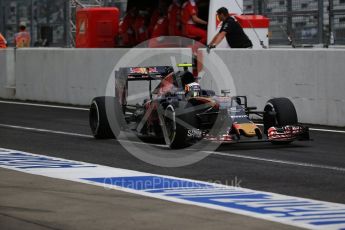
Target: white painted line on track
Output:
{"points": [[69, 134], [44, 105], [86, 109], [267, 160], [44, 130], [327, 130], [292, 163]]}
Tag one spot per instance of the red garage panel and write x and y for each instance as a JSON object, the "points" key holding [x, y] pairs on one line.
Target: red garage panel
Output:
{"points": [[97, 27]]}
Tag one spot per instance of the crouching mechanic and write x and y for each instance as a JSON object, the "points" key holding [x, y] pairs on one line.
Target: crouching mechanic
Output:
{"points": [[230, 29]]}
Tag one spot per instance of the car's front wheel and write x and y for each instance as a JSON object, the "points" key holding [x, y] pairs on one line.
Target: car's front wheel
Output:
{"points": [[279, 112]]}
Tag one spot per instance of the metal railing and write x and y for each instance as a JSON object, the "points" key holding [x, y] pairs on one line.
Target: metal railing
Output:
{"points": [[336, 27], [45, 20], [302, 22], [51, 23]]}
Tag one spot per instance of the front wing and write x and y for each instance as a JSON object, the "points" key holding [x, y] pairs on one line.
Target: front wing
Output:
{"points": [[275, 134]]}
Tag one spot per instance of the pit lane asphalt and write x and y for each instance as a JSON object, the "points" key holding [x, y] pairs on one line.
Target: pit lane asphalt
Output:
{"points": [[241, 164]]}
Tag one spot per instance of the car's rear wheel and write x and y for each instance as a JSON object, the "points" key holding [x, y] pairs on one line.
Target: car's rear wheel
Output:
{"points": [[98, 119], [279, 112]]}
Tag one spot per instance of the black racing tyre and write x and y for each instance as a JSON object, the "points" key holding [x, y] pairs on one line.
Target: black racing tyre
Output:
{"points": [[98, 118], [279, 112], [178, 126]]}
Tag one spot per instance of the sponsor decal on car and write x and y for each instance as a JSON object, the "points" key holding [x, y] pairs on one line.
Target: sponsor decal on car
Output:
{"points": [[195, 133]]}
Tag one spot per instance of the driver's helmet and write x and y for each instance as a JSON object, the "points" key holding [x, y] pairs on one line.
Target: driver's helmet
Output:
{"points": [[193, 90]]}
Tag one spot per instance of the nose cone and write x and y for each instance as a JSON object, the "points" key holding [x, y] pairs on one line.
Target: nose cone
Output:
{"points": [[247, 129]]}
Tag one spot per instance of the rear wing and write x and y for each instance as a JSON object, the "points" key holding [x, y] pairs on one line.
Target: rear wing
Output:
{"points": [[124, 75], [143, 73]]}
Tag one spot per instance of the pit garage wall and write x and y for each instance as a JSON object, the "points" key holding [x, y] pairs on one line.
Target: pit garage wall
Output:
{"points": [[75, 76], [7, 73], [314, 79]]}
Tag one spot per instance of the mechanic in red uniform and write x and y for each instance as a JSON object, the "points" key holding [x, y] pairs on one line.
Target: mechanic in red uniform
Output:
{"points": [[153, 21], [140, 26], [190, 20], [174, 18], [3, 42], [158, 14], [126, 30], [160, 30]]}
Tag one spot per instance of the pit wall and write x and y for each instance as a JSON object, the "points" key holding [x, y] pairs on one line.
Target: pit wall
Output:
{"points": [[75, 76], [313, 79], [7, 73]]}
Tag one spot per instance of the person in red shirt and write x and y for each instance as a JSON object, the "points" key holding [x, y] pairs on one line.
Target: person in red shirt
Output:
{"points": [[140, 26], [174, 18], [126, 31], [3, 42], [153, 20], [157, 14], [160, 30], [190, 20]]}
